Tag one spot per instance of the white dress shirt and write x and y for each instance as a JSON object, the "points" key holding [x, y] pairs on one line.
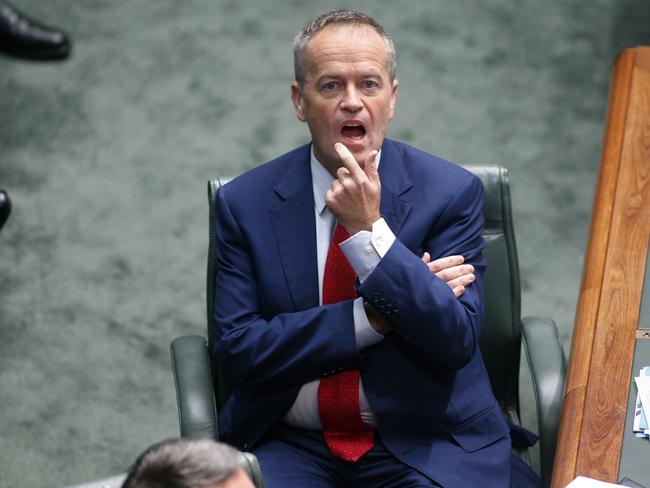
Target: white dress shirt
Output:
{"points": [[363, 250]]}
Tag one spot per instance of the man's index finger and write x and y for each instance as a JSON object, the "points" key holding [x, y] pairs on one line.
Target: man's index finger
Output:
{"points": [[347, 159]]}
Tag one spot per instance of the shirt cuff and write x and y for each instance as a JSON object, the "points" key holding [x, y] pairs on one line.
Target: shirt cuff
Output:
{"points": [[365, 249], [363, 331]]}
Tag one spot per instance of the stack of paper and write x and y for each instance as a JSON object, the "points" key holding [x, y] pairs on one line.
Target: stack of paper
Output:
{"points": [[642, 407], [584, 482]]}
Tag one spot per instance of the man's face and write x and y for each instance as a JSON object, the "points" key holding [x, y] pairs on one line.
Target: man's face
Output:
{"points": [[347, 96]]}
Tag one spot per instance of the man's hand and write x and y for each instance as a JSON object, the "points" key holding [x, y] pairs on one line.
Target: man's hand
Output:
{"points": [[452, 270], [355, 193]]}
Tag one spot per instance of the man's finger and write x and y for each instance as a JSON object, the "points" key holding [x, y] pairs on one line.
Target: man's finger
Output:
{"points": [[348, 160], [454, 272], [458, 291], [446, 262], [342, 172], [464, 280], [426, 258], [370, 166]]}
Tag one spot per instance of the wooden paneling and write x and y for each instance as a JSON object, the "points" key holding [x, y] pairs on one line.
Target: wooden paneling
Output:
{"points": [[606, 321]]}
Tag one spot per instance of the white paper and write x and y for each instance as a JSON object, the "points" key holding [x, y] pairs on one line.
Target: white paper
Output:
{"points": [[643, 386], [584, 482]]}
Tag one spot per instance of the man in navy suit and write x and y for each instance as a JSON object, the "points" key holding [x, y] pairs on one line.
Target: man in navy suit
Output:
{"points": [[347, 321]]}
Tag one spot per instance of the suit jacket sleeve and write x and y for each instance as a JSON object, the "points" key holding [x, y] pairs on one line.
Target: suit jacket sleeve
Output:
{"points": [[260, 348], [426, 315]]}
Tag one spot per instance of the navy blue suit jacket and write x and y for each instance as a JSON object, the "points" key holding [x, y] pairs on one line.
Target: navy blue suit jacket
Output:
{"points": [[426, 381]]}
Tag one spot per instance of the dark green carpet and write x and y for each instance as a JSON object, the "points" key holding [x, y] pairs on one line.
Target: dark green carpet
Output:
{"points": [[106, 157]]}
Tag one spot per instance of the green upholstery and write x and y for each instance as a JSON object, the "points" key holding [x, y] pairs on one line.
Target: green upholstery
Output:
{"points": [[219, 377], [501, 340], [197, 411]]}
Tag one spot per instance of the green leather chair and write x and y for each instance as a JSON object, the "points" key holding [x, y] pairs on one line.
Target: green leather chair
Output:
{"points": [[202, 389]]}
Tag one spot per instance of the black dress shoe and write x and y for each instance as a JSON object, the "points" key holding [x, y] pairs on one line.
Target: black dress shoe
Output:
{"points": [[5, 207], [22, 37]]}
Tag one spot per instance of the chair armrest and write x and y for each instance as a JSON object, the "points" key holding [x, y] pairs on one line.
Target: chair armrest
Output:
{"points": [[548, 370], [197, 412]]}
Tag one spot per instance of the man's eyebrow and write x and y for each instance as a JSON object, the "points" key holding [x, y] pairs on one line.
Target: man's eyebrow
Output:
{"points": [[328, 75], [324, 77], [332, 76]]}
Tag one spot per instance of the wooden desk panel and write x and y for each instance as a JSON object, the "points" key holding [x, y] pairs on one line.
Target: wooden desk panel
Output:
{"points": [[597, 386]]}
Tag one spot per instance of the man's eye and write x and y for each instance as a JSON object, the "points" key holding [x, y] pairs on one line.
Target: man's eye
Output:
{"points": [[370, 84], [330, 85]]}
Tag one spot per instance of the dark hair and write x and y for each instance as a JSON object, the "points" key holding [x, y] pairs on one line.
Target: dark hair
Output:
{"points": [[349, 17], [183, 463]]}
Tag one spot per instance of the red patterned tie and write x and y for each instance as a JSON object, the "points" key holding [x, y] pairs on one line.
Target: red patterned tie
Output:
{"points": [[346, 436]]}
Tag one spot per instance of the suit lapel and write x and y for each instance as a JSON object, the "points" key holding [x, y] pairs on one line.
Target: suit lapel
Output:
{"points": [[395, 183], [294, 230]]}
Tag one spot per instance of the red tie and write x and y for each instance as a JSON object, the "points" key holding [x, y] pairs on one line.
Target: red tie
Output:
{"points": [[346, 436]]}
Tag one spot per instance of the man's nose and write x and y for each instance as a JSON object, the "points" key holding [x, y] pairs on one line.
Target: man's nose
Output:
{"points": [[351, 100]]}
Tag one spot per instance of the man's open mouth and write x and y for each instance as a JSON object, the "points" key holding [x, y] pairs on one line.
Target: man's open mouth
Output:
{"points": [[353, 131]]}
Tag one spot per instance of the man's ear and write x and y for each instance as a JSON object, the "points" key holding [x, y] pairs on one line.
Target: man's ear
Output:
{"points": [[297, 100], [393, 97]]}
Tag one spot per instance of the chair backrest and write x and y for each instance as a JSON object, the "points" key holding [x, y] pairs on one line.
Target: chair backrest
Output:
{"points": [[219, 379], [501, 337]]}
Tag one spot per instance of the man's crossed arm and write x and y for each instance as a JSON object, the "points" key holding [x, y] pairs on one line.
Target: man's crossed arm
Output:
{"points": [[354, 199], [286, 348]]}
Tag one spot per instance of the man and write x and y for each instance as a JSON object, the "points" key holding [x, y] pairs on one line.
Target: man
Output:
{"points": [[353, 363], [188, 463]]}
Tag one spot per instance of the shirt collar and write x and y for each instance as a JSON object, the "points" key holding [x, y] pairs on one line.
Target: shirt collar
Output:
{"points": [[321, 180]]}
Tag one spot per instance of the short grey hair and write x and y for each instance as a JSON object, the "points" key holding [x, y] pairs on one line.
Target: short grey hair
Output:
{"points": [[344, 17], [183, 463]]}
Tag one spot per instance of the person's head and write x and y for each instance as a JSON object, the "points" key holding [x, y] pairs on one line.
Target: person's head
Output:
{"points": [[345, 87], [188, 463]]}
